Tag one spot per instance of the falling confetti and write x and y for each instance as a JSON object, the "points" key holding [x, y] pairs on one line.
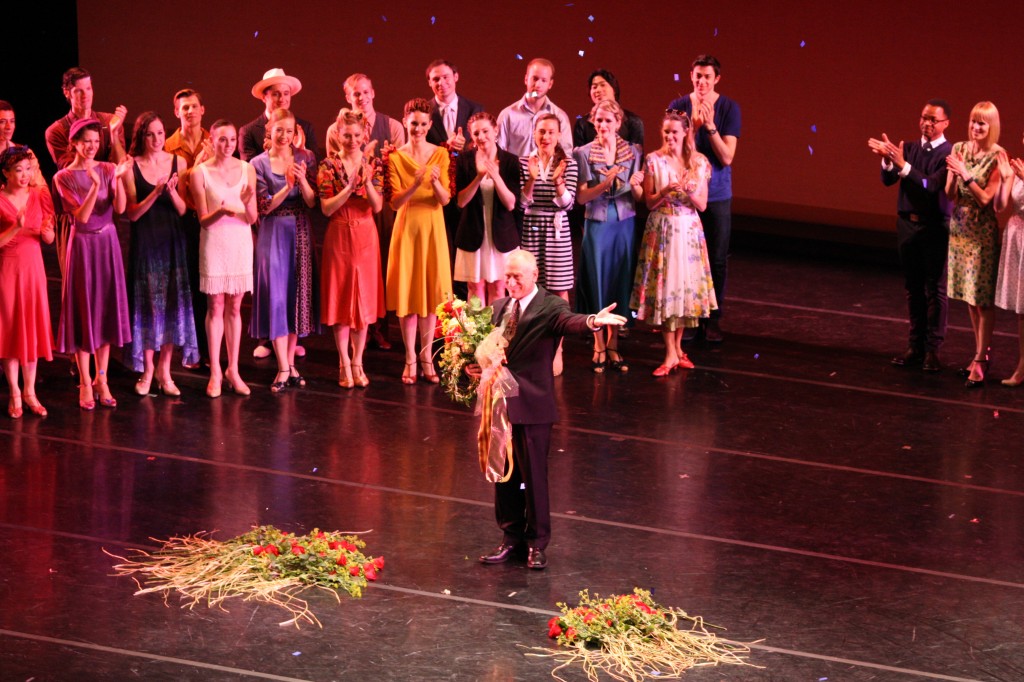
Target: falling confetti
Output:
{"points": [[314, 469], [446, 591], [757, 355], [383, 18], [906, 447], [296, 653], [716, 32], [684, 475], [512, 594], [814, 128], [810, 149], [519, 57], [590, 18], [803, 43], [590, 38], [968, 476], [675, 77], [995, 414], [581, 53], [370, 39], [256, 34], [432, 20], [975, 520]]}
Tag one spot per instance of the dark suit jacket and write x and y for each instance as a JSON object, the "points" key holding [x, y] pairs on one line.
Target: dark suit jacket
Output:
{"points": [[505, 227], [253, 134], [923, 191], [532, 350], [437, 133]]}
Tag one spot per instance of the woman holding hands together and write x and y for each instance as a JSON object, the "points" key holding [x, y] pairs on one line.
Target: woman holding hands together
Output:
{"points": [[1010, 285]]}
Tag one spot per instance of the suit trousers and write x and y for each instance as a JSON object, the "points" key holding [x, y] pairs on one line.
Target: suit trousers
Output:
{"points": [[524, 513], [923, 255], [716, 220]]}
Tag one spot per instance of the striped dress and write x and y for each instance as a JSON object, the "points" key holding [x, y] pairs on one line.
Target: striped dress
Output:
{"points": [[546, 226]]}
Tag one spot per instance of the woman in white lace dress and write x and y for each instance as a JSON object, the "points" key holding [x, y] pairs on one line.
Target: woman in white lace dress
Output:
{"points": [[1010, 286]]}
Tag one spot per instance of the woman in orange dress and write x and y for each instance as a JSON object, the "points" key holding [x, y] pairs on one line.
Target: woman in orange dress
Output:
{"points": [[419, 267]]}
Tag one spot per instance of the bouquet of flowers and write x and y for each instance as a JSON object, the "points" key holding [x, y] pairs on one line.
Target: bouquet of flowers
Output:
{"points": [[265, 564], [462, 325], [631, 637]]}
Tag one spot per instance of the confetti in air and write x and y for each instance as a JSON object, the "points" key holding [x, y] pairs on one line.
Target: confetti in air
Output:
{"points": [[716, 32], [803, 43], [810, 149], [814, 128], [581, 53], [370, 39], [383, 18], [519, 57], [590, 38], [256, 34], [590, 18], [432, 20]]}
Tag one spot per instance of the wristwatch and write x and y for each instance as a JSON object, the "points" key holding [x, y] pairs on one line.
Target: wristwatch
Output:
{"points": [[712, 131]]}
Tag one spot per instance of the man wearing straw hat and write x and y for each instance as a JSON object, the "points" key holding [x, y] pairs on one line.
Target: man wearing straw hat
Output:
{"points": [[275, 91]]}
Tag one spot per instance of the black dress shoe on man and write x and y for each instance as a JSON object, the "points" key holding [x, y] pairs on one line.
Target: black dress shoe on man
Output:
{"points": [[713, 332], [931, 362], [908, 358], [536, 559], [500, 555]]}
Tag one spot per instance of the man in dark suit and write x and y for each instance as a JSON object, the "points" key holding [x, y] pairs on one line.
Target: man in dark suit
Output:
{"points": [[922, 230], [536, 321], [449, 127]]}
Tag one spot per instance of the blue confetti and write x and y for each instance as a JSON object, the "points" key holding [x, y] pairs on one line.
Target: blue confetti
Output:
{"points": [[519, 57], [676, 77], [590, 38], [810, 149], [814, 128], [757, 355], [432, 20], [924, 182], [716, 32], [314, 470], [383, 18], [581, 53], [256, 34], [802, 43], [591, 18], [370, 39]]}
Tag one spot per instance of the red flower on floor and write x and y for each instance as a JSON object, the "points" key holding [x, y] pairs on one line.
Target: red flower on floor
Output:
{"points": [[369, 571], [298, 549], [378, 563], [554, 628], [342, 560]]}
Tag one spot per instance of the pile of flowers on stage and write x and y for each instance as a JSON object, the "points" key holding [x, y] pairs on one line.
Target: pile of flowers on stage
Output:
{"points": [[630, 637], [264, 565]]}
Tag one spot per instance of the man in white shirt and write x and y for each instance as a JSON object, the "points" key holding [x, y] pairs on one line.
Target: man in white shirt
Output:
{"points": [[515, 122]]}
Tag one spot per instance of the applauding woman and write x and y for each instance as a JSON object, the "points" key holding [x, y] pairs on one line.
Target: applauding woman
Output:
{"points": [[351, 290], [419, 270], [548, 177], [94, 309], [611, 181], [224, 194], [972, 182], [1010, 285], [284, 303], [26, 219], [673, 287], [161, 299], [487, 182]]}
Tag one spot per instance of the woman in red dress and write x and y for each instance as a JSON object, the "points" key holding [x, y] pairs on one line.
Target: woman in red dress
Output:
{"points": [[26, 219]]}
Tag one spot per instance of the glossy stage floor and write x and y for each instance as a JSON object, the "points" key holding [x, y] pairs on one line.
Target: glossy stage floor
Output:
{"points": [[861, 522]]}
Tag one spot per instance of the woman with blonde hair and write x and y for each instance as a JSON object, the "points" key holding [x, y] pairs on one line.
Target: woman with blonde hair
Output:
{"points": [[972, 181]]}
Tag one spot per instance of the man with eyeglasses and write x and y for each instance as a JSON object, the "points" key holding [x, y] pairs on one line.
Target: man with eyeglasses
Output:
{"points": [[922, 230]]}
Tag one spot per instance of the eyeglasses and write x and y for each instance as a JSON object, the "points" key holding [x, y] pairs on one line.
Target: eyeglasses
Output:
{"points": [[933, 120]]}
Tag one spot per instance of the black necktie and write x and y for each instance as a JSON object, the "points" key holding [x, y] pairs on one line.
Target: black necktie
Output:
{"points": [[927, 146], [513, 322]]}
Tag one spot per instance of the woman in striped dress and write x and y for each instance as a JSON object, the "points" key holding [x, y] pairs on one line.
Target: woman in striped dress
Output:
{"points": [[548, 178]]}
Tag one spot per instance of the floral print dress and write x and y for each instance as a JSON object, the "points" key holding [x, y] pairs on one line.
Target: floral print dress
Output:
{"points": [[973, 234]]}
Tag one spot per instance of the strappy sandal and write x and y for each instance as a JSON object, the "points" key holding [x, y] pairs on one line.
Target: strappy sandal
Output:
{"points": [[409, 378], [278, 384], [295, 380], [345, 376], [599, 364], [360, 376], [619, 365]]}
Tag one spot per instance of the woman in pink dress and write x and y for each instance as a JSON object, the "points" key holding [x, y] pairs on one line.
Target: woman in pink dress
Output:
{"points": [[352, 290], [26, 218]]}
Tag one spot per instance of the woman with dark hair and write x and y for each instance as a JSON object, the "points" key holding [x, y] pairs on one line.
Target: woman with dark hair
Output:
{"points": [[94, 308], [611, 182], [673, 288], [548, 179], [602, 85], [972, 182], [285, 301], [224, 194], [26, 218], [487, 182], [352, 290], [160, 298], [419, 269]]}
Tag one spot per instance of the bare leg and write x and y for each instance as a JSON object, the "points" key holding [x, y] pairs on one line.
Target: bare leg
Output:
{"points": [[233, 341], [358, 345], [986, 317], [478, 289], [427, 324], [1015, 380], [85, 397], [408, 324], [11, 370], [495, 290], [28, 373], [102, 362], [556, 366], [214, 337], [341, 338]]}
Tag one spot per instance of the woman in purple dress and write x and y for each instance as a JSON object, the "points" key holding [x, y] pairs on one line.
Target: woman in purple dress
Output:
{"points": [[285, 299], [161, 299], [94, 310]]}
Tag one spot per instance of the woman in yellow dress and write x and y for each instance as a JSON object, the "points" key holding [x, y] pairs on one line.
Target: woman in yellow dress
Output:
{"points": [[419, 268]]}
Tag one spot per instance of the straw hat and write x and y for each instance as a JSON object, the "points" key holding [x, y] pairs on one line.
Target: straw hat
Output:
{"points": [[276, 77]]}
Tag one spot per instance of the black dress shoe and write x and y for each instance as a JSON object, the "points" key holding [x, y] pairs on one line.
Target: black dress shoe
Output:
{"points": [[908, 358], [500, 555], [713, 332], [931, 362], [536, 559]]}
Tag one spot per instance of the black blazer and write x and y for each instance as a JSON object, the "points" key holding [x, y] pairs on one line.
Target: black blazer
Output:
{"points": [[505, 224], [437, 133], [532, 350]]}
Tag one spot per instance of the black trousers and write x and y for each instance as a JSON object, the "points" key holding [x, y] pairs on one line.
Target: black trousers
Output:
{"points": [[521, 504], [923, 254]]}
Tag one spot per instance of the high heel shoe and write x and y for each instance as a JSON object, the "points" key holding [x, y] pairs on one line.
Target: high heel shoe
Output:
{"points": [[978, 383], [14, 407], [619, 365], [86, 400], [360, 376], [684, 362], [665, 370], [142, 386], [105, 400], [295, 379], [431, 376], [236, 385], [213, 388], [409, 375], [169, 388], [345, 376], [1012, 382], [966, 370], [598, 361], [34, 406], [279, 385]]}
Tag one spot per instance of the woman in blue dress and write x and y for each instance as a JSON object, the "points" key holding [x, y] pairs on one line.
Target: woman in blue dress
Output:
{"points": [[610, 183], [285, 304], [160, 299]]}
